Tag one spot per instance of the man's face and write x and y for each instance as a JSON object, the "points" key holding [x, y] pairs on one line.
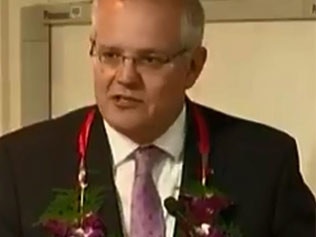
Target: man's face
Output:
{"points": [[147, 89]]}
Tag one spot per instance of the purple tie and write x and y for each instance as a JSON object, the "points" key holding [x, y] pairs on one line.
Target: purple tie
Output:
{"points": [[146, 211]]}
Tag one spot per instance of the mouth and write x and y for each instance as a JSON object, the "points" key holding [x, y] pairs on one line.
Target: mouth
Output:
{"points": [[126, 101], [127, 98]]}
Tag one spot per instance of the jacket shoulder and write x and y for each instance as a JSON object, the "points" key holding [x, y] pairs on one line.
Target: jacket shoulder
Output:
{"points": [[245, 130], [46, 131]]}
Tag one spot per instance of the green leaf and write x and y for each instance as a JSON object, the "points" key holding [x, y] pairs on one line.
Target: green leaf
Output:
{"points": [[64, 206], [94, 199], [195, 188]]}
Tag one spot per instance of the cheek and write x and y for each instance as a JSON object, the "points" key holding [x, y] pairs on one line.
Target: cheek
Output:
{"points": [[166, 89], [175, 83], [97, 81], [102, 81]]}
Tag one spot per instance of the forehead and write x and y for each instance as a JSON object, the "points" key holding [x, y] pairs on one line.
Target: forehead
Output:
{"points": [[138, 24]]}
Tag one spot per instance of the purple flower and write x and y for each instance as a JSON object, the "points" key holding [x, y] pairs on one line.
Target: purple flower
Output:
{"points": [[206, 230], [205, 209], [86, 232], [93, 221], [92, 226], [97, 233], [57, 228]]}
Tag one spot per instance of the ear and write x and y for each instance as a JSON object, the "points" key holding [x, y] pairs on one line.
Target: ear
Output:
{"points": [[196, 64]]}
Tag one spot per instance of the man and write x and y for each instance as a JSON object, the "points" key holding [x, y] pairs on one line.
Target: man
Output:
{"points": [[145, 55]]}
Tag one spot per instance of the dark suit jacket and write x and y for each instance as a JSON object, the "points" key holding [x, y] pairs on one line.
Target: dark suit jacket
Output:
{"points": [[255, 165]]}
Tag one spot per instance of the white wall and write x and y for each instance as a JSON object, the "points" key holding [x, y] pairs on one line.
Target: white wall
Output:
{"points": [[3, 23], [14, 63], [1, 76]]}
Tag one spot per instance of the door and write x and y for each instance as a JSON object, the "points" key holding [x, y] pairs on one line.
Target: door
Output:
{"points": [[72, 84]]}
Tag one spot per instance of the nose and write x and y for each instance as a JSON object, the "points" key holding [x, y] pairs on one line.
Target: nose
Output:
{"points": [[127, 73]]}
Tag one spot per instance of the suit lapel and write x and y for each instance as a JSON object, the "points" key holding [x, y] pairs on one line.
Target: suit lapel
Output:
{"points": [[191, 159], [100, 171], [218, 154], [192, 156]]}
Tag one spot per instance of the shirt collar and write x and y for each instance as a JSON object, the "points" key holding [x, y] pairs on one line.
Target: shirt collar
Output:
{"points": [[171, 141]]}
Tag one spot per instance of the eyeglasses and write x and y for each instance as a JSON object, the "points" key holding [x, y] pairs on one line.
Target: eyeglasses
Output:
{"points": [[144, 63]]}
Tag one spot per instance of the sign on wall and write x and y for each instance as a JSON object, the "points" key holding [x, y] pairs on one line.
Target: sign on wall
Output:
{"points": [[259, 10], [78, 12]]}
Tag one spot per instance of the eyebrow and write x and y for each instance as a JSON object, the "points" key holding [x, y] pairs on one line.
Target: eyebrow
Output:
{"points": [[139, 51]]}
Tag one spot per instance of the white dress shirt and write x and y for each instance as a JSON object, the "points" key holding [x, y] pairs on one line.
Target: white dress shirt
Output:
{"points": [[167, 174]]}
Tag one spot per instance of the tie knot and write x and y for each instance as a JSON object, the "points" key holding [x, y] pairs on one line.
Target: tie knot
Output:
{"points": [[146, 158]]}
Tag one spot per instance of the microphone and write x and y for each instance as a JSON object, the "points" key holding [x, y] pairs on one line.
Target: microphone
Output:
{"points": [[177, 210], [174, 207]]}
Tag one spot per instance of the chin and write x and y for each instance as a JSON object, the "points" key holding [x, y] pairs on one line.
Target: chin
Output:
{"points": [[126, 123], [129, 122]]}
